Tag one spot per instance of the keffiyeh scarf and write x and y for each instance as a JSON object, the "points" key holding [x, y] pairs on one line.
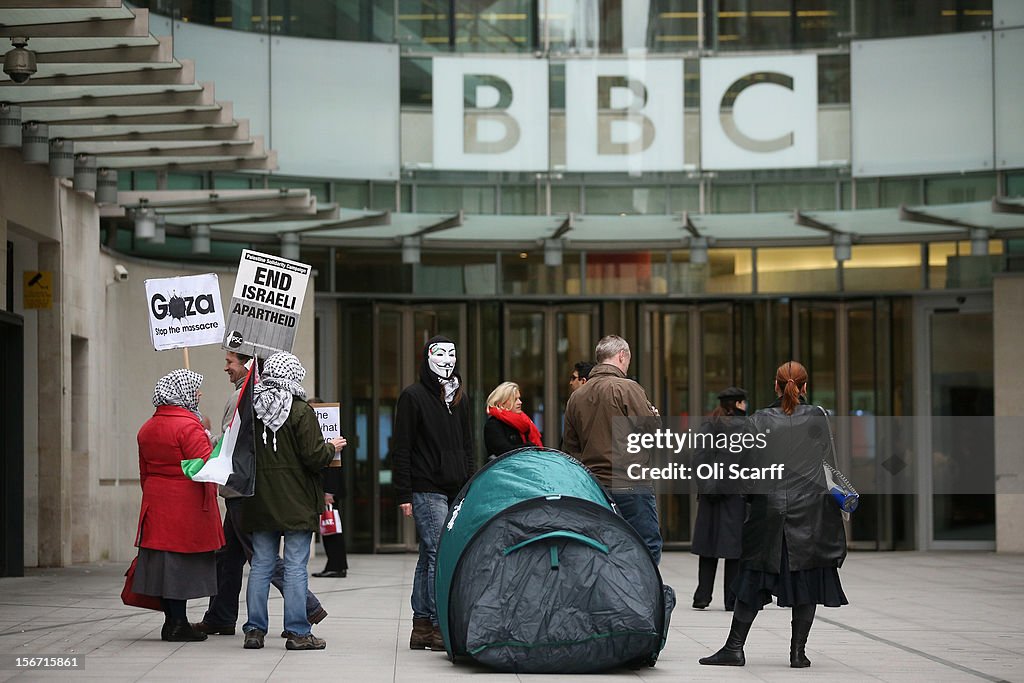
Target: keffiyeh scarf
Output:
{"points": [[178, 388], [272, 396]]}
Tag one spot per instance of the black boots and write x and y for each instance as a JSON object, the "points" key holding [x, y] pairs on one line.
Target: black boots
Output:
{"points": [[180, 631], [797, 659], [732, 653]]}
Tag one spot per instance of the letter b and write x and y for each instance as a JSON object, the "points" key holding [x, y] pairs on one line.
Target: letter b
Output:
{"points": [[487, 97]]}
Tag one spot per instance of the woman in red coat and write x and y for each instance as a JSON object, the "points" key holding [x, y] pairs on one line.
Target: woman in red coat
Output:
{"points": [[179, 524]]}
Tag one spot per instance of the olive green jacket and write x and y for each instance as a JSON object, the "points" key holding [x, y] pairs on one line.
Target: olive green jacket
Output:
{"points": [[289, 495]]}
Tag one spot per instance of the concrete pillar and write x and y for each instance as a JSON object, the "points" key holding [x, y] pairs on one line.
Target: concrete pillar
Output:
{"points": [[1008, 330], [54, 416]]}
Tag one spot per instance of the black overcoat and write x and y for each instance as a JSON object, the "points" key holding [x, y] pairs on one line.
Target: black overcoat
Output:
{"points": [[798, 507], [718, 530]]}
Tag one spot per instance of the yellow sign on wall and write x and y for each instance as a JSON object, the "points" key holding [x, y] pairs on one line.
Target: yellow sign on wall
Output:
{"points": [[38, 288]]}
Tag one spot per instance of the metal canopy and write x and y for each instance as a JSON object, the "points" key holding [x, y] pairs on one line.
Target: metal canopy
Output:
{"points": [[104, 82]]}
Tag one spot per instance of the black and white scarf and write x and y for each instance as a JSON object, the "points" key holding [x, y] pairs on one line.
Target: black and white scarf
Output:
{"points": [[179, 388], [272, 396]]}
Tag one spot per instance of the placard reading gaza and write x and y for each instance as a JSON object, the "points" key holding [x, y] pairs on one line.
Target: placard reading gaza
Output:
{"points": [[265, 304], [184, 311]]}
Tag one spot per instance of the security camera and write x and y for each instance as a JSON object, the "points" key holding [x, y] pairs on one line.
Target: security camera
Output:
{"points": [[120, 273], [19, 62]]}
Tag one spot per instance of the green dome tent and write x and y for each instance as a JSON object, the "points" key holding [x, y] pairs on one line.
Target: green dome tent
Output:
{"points": [[537, 573]]}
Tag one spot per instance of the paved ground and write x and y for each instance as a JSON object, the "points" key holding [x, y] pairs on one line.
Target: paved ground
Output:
{"points": [[913, 617]]}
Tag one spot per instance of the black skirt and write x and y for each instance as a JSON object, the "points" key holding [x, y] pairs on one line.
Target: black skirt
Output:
{"points": [[817, 586], [175, 576]]}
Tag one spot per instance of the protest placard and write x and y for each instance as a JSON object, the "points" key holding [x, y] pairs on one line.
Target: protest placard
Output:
{"points": [[329, 417], [184, 311], [265, 304]]}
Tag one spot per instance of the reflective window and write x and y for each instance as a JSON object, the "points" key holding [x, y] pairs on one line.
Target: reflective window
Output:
{"points": [[786, 197], [371, 271], [629, 273], [424, 24], [525, 273], [779, 24], [730, 199], [885, 18], [728, 271], [896, 191], [519, 199], [494, 25], [352, 195], [975, 187], [456, 273], [867, 194], [674, 25], [626, 200], [684, 198], [796, 269], [883, 267], [565, 199], [452, 198]]}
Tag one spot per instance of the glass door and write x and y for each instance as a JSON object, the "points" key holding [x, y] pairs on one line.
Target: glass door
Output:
{"points": [[959, 484], [541, 345], [400, 332], [693, 360]]}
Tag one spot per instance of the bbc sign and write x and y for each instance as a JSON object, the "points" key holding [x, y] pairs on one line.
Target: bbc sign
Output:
{"points": [[625, 115]]}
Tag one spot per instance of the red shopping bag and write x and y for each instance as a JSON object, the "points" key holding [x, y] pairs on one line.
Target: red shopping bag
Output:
{"points": [[133, 599], [330, 522]]}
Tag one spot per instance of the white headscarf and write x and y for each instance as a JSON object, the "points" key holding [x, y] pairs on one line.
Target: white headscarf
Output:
{"points": [[178, 388], [272, 396]]}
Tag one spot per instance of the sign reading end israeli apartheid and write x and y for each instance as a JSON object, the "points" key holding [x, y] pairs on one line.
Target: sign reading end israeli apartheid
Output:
{"points": [[265, 304], [329, 417], [184, 311]]}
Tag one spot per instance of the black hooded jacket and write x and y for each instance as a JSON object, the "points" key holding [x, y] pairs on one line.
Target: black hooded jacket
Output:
{"points": [[798, 507], [433, 443]]}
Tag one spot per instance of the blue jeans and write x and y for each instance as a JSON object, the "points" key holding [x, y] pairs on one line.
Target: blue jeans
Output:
{"points": [[429, 511], [237, 550], [296, 580], [637, 507]]}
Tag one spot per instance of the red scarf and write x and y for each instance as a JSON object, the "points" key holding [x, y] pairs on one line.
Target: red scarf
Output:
{"points": [[520, 422]]}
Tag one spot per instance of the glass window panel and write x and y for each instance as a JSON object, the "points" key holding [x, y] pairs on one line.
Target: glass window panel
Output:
{"points": [[1015, 184], [143, 180], [494, 26], [232, 182], [885, 18], [896, 191], [626, 273], [796, 269], [448, 198], [423, 24], [625, 200], [571, 25], [186, 181], [780, 24], [789, 196], [519, 199], [371, 272], [440, 273], [730, 199], [525, 273], [716, 347], [867, 194], [416, 83], [384, 196], [960, 188], [565, 199], [353, 195], [883, 267], [833, 79], [684, 198], [674, 25], [728, 271]]}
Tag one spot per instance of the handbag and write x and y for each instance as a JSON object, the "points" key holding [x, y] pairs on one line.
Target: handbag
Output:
{"points": [[838, 485], [330, 522], [133, 599]]}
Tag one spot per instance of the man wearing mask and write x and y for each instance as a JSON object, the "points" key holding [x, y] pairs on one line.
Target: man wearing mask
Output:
{"points": [[433, 459]]}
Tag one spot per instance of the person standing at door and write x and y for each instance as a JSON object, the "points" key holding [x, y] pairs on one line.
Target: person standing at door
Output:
{"points": [[609, 395], [718, 531], [793, 538], [580, 374], [508, 427], [433, 459]]}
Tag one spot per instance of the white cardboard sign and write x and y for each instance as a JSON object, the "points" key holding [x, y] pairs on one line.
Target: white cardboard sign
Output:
{"points": [[329, 417], [184, 311], [265, 304]]}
